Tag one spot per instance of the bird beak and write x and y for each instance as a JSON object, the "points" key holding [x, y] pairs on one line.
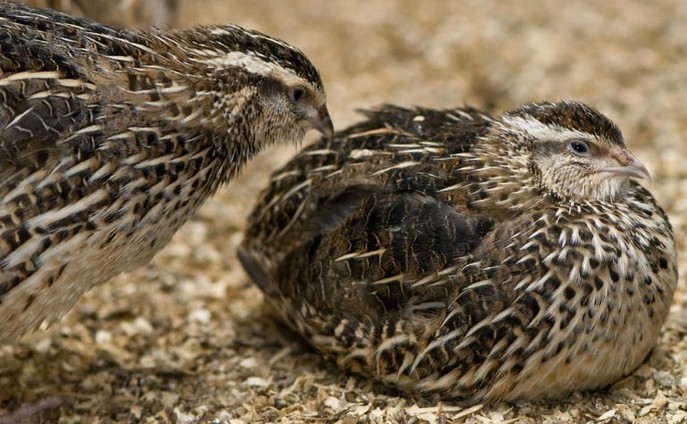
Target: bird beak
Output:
{"points": [[323, 123], [630, 166]]}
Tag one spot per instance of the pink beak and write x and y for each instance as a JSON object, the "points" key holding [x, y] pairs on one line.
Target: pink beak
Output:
{"points": [[629, 166]]}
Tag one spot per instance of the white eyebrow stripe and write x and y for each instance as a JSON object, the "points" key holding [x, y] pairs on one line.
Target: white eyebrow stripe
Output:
{"points": [[541, 131], [252, 63], [246, 60]]}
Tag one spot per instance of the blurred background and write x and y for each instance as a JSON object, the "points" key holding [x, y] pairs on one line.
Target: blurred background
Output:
{"points": [[187, 338]]}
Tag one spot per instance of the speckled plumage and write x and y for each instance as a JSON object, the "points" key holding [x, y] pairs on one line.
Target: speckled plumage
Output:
{"points": [[449, 253], [111, 139]]}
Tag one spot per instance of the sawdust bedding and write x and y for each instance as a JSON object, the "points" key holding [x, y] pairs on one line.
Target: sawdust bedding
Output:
{"points": [[187, 338]]}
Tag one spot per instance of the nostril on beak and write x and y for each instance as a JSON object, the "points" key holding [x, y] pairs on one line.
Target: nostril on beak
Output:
{"points": [[624, 157], [630, 166]]}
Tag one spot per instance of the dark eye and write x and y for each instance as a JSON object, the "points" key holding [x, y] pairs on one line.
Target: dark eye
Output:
{"points": [[297, 93], [579, 147]]}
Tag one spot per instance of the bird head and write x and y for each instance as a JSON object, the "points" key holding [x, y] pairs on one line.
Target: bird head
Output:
{"points": [[574, 151], [267, 85], [291, 106]]}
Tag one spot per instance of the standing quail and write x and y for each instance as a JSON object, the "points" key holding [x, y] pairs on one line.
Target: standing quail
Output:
{"points": [[111, 139], [452, 254]]}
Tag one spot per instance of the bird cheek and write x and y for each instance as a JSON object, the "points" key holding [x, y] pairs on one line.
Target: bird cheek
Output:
{"points": [[287, 128]]}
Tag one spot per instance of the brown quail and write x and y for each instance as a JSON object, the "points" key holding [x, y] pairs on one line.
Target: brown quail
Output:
{"points": [[111, 139], [453, 254]]}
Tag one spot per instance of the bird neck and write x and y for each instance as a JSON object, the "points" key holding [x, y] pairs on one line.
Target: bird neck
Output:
{"points": [[496, 181]]}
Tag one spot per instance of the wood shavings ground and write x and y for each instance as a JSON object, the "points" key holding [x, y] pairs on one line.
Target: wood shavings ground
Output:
{"points": [[187, 339]]}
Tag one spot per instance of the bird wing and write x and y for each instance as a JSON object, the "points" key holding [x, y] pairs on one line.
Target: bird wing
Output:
{"points": [[370, 248], [394, 148], [365, 216]]}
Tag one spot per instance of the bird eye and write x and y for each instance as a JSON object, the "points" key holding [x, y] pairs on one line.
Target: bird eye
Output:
{"points": [[297, 93], [579, 147]]}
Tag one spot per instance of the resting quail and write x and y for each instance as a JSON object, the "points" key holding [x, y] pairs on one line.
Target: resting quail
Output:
{"points": [[453, 254], [111, 139]]}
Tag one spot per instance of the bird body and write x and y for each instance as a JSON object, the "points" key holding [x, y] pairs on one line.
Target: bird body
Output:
{"points": [[454, 254], [111, 139]]}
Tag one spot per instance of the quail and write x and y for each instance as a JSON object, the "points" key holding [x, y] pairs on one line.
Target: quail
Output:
{"points": [[452, 254], [110, 139]]}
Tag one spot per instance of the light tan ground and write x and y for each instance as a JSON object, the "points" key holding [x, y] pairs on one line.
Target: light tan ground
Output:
{"points": [[187, 339]]}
